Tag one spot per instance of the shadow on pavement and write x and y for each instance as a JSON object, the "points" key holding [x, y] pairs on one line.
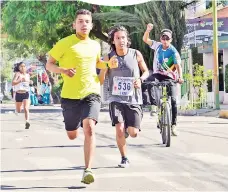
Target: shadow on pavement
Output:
{"points": [[98, 146], [49, 170], [43, 170], [10, 187], [69, 146]]}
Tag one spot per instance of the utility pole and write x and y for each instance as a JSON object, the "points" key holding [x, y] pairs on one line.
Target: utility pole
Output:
{"points": [[215, 51]]}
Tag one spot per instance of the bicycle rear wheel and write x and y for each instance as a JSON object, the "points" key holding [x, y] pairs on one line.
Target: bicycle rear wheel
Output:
{"points": [[166, 125]]}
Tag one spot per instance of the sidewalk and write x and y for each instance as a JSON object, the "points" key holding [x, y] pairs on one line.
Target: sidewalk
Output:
{"points": [[56, 108], [222, 113], [10, 108]]}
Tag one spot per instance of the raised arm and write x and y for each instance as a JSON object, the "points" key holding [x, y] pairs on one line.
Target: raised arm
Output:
{"points": [[146, 36]]}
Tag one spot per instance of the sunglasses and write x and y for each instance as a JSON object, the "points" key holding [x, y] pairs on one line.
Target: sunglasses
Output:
{"points": [[165, 38]]}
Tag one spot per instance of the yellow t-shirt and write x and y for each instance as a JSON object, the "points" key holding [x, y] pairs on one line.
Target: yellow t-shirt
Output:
{"points": [[82, 55]]}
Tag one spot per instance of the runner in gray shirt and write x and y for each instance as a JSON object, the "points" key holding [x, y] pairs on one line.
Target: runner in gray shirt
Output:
{"points": [[125, 92]]}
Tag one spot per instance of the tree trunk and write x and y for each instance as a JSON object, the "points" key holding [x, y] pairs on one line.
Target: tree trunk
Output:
{"points": [[97, 29]]}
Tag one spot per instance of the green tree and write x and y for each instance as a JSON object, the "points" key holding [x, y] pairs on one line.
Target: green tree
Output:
{"points": [[6, 66], [36, 26], [33, 27], [199, 79], [6, 71], [7, 56], [219, 2], [163, 14]]}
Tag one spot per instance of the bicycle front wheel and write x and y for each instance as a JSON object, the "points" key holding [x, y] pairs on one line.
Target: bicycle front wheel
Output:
{"points": [[166, 125]]}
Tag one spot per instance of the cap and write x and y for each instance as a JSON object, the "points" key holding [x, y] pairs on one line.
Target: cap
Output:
{"points": [[166, 32]]}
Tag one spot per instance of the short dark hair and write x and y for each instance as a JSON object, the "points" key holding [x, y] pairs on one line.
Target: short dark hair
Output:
{"points": [[83, 12], [112, 32]]}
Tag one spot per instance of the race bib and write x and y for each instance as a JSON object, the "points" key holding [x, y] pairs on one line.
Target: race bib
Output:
{"points": [[123, 86]]}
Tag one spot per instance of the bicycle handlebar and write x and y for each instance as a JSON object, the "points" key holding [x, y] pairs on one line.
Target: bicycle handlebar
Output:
{"points": [[161, 83]]}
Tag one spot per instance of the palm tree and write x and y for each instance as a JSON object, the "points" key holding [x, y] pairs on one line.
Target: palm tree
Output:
{"points": [[163, 14]]}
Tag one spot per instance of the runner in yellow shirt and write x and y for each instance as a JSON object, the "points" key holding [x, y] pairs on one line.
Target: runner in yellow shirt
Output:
{"points": [[78, 58]]}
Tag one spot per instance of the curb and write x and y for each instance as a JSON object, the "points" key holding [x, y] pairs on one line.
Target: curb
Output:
{"points": [[40, 110], [8, 111]]}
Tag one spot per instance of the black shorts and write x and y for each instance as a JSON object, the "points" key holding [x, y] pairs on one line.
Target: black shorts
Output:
{"points": [[131, 115], [21, 96], [76, 110]]}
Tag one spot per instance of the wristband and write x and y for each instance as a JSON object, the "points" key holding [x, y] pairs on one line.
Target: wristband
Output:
{"points": [[107, 65]]}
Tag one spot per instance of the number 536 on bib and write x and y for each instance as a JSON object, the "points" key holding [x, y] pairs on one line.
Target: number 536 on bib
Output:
{"points": [[123, 86]]}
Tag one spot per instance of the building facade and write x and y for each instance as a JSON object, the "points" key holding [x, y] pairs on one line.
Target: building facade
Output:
{"points": [[200, 34]]}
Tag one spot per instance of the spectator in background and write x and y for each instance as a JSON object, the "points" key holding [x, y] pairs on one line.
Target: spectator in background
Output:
{"points": [[45, 92], [33, 97]]}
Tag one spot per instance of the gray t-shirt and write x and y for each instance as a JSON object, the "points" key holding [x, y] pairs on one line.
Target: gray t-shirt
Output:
{"points": [[121, 79]]}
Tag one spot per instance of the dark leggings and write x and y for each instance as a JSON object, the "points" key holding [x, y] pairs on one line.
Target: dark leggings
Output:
{"points": [[172, 91]]}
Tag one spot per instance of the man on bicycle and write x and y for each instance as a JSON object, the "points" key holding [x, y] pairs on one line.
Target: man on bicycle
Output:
{"points": [[166, 66]]}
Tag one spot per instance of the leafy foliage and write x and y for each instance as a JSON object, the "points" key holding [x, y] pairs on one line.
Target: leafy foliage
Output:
{"points": [[199, 79], [163, 14], [37, 24]]}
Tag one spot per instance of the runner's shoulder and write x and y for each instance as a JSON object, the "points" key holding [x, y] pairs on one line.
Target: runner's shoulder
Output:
{"points": [[173, 49], [95, 43], [68, 41]]}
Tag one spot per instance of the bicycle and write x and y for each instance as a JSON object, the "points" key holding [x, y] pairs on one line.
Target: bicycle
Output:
{"points": [[164, 109]]}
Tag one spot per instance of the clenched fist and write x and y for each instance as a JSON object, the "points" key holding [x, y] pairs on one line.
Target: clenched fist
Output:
{"points": [[69, 72], [149, 27], [113, 62]]}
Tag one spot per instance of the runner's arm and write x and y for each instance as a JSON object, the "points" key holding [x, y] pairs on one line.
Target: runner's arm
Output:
{"points": [[179, 70], [147, 39], [142, 65], [16, 80], [52, 67], [103, 72], [108, 63], [177, 64], [101, 64]]}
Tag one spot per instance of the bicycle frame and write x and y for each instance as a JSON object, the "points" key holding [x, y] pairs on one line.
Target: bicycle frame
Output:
{"points": [[164, 109], [163, 100]]}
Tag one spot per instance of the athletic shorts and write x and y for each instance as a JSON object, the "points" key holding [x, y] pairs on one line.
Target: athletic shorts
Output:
{"points": [[130, 115], [21, 96], [76, 110]]}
